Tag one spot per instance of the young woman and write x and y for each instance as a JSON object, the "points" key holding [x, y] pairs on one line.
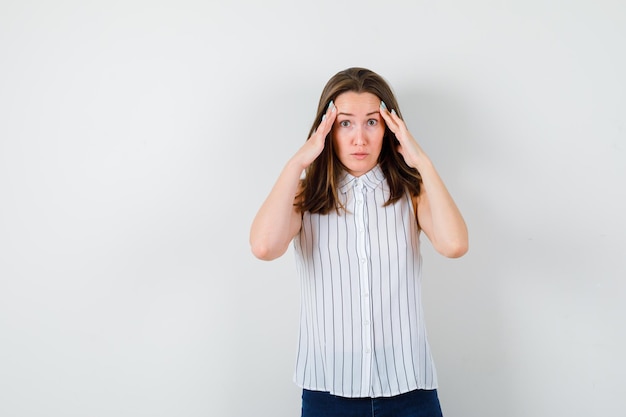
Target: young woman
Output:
{"points": [[355, 220]]}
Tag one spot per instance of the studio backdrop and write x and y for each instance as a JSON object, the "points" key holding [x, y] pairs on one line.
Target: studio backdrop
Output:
{"points": [[138, 139]]}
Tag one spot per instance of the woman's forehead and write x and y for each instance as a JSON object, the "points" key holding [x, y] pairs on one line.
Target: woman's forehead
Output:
{"points": [[353, 103]]}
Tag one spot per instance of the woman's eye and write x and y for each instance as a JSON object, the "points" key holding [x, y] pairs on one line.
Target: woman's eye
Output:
{"points": [[372, 122], [344, 123]]}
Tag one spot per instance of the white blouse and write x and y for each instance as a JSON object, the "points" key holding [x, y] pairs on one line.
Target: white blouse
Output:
{"points": [[362, 331]]}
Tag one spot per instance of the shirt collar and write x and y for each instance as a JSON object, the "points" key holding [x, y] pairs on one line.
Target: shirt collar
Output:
{"points": [[370, 179]]}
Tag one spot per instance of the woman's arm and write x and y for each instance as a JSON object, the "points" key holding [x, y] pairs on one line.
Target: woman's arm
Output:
{"points": [[437, 214], [279, 220]]}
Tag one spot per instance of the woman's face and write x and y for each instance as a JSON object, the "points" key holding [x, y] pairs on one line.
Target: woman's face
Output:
{"points": [[358, 131]]}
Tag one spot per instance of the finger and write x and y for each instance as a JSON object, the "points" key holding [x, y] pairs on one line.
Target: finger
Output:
{"points": [[389, 121], [394, 116], [328, 119]]}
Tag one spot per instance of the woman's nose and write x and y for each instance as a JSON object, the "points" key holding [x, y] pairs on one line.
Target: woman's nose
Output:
{"points": [[359, 137]]}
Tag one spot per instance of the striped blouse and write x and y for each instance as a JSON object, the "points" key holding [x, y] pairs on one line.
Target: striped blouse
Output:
{"points": [[362, 331]]}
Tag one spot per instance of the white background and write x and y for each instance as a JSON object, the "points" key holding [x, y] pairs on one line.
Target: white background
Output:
{"points": [[138, 139]]}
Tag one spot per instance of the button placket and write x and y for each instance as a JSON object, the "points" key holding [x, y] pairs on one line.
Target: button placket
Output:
{"points": [[366, 328]]}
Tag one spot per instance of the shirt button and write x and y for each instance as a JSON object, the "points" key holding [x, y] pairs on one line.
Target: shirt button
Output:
{"points": [[366, 323], [362, 260], [366, 295], [367, 351]]}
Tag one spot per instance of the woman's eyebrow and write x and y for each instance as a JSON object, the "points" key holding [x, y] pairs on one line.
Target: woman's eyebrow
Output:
{"points": [[352, 115]]}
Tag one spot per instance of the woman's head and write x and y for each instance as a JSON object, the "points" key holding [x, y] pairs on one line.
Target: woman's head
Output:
{"points": [[357, 80], [319, 186]]}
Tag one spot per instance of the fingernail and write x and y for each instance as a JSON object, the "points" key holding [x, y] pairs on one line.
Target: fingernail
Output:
{"points": [[383, 105], [331, 105], [323, 117], [393, 111]]}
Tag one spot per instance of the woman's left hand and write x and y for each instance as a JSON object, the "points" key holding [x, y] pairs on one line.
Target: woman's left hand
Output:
{"points": [[437, 214], [408, 146]]}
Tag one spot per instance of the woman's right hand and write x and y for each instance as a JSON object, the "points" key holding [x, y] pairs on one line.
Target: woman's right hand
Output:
{"points": [[278, 220], [314, 146]]}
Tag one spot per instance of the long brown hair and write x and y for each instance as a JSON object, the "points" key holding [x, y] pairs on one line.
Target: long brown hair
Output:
{"points": [[318, 192]]}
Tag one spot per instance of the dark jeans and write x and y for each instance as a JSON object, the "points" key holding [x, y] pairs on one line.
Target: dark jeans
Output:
{"points": [[418, 403]]}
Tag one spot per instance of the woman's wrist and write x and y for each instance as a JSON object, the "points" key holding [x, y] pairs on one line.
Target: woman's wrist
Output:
{"points": [[295, 164]]}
